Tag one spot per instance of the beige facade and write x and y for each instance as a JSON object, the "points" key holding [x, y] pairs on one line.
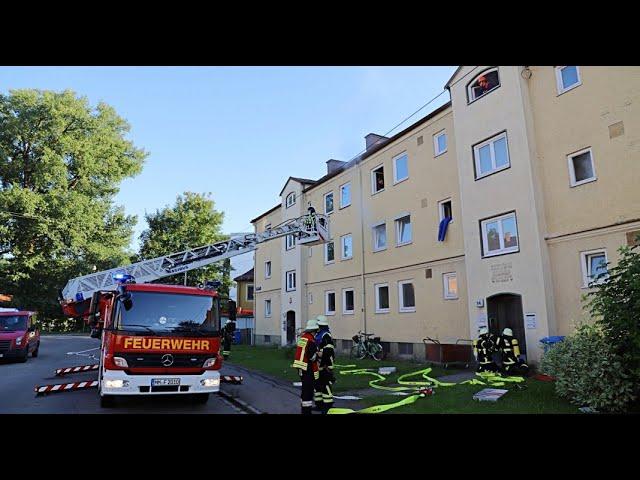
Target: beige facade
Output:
{"points": [[539, 173]]}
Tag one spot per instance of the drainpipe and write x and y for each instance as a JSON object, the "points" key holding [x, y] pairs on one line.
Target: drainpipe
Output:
{"points": [[364, 291]]}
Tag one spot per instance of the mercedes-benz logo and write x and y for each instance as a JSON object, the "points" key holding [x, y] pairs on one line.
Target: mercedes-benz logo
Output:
{"points": [[167, 360]]}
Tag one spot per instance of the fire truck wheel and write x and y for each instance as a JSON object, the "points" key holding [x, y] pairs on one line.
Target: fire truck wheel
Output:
{"points": [[107, 401], [201, 398], [34, 354]]}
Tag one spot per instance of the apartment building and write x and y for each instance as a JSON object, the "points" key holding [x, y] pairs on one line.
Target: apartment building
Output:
{"points": [[537, 169]]}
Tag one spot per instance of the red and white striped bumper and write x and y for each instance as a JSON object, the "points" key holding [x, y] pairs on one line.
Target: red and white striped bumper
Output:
{"points": [[65, 387]]}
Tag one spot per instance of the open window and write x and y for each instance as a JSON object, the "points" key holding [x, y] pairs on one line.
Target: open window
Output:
{"points": [[484, 83], [594, 267], [581, 168], [377, 179], [445, 213], [330, 303]]}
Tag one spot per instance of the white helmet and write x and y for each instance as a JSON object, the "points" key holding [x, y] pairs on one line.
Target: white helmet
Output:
{"points": [[322, 320], [507, 331], [312, 324]]}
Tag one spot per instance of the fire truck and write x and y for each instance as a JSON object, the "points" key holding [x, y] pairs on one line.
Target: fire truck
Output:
{"points": [[160, 339]]}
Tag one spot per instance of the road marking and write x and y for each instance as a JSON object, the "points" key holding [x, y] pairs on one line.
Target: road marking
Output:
{"points": [[83, 351]]}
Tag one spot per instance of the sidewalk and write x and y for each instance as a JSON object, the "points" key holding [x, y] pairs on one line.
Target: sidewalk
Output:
{"points": [[268, 394]]}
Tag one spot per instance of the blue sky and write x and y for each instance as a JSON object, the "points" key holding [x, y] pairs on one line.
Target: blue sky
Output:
{"points": [[240, 132]]}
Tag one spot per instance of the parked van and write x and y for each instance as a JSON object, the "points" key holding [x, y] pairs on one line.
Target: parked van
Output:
{"points": [[19, 334]]}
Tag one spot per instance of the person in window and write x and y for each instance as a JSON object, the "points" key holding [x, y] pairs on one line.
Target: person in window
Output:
{"points": [[484, 84], [509, 240]]}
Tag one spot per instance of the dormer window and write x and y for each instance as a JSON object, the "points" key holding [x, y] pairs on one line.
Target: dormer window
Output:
{"points": [[484, 83], [290, 200]]}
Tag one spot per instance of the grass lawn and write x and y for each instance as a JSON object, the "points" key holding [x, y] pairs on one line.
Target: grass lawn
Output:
{"points": [[277, 362], [539, 397]]}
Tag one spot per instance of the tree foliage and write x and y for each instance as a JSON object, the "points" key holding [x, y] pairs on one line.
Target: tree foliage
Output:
{"points": [[192, 222], [615, 304], [61, 163]]}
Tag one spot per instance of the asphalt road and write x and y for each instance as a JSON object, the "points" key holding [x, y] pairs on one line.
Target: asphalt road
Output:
{"points": [[17, 381]]}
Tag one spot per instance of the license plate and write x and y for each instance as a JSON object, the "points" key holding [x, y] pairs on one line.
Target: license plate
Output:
{"points": [[157, 382], [1, 355]]}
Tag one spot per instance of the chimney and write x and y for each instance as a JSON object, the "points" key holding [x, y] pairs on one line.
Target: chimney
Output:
{"points": [[373, 139], [333, 165]]}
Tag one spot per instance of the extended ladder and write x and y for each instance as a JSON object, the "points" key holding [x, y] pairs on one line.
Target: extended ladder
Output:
{"points": [[310, 229]]}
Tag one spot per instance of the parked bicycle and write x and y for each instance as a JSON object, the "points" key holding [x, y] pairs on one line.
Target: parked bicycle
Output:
{"points": [[363, 347]]}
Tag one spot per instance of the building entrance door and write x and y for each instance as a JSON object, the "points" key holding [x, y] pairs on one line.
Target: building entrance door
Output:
{"points": [[291, 327], [505, 311]]}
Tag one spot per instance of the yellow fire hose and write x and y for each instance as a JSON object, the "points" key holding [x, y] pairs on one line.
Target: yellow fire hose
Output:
{"points": [[490, 378]]}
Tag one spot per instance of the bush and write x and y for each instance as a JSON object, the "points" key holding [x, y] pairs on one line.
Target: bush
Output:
{"points": [[615, 305], [589, 372]]}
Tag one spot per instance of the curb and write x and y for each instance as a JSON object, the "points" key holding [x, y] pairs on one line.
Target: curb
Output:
{"points": [[244, 406]]}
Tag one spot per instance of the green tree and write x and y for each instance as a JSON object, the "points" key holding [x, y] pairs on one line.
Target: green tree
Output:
{"points": [[192, 222], [61, 163], [615, 304]]}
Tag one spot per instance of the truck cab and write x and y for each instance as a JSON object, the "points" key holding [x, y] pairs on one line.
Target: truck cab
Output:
{"points": [[19, 334], [157, 340]]}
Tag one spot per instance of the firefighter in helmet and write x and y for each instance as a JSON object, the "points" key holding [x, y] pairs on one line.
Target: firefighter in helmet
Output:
{"points": [[323, 395], [484, 348], [305, 361], [510, 352], [228, 330]]}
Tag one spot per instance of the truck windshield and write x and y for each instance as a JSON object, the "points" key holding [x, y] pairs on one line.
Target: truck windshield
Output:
{"points": [[11, 323], [167, 312]]}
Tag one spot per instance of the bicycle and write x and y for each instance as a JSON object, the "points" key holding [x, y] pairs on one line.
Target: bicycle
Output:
{"points": [[363, 347]]}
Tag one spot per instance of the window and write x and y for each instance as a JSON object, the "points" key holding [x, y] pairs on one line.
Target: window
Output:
{"points": [[267, 269], [450, 281], [581, 169], [345, 195], [440, 143], [491, 155], [445, 210], [347, 246], [329, 253], [403, 230], [377, 179], [291, 199], [400, 168], [382, 298], [250, 292], [267, 308], [567, 78], [405, 348], [291, 281], [310, 298], [484, 83], [348, 301], [594, 267], [328, 203], [329, 303], [379, 237], [406, 296], [290, 242], [500, 235], [267, 339]]}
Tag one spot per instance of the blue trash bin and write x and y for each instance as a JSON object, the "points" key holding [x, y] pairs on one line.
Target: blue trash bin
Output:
{"points": [[548, 342], [237, 337]]}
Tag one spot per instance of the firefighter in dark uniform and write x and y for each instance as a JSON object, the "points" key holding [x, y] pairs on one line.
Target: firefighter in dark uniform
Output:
{"points": [[305, 361], [323, 394], [228, 330], [484, 348], [510, 351]]}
